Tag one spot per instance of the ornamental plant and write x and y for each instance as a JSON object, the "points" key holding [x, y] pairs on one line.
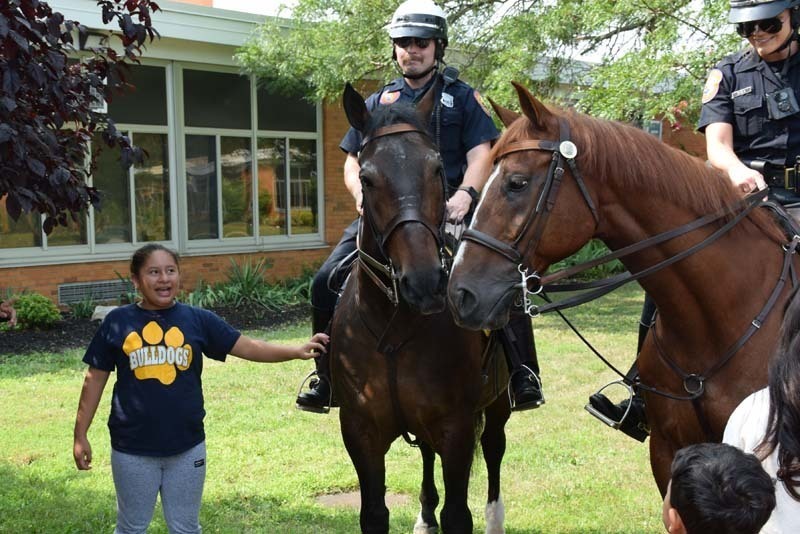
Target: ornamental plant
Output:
{"points": [[47, 117], [36, 311]]}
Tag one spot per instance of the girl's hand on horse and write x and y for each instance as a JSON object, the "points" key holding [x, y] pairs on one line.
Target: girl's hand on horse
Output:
{"points": [[458, 206], [315, 346]]}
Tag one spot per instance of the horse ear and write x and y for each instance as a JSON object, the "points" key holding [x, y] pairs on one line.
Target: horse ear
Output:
{"points": [[425, 104], [355, 108], [532, 108], [506, 115]]}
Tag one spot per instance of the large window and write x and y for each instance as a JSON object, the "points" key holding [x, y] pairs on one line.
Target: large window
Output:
{"points": [[136, 201], [231, 195], [151, 189]]}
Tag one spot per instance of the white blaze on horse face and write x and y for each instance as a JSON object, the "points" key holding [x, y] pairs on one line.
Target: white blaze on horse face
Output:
{"points": [[460, 254]]}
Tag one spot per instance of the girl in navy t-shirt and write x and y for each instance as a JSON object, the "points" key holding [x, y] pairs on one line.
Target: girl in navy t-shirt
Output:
{"points": [[156, 421]]}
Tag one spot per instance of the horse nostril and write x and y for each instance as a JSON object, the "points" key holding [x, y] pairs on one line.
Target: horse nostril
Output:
{"points": [[463, 301]]}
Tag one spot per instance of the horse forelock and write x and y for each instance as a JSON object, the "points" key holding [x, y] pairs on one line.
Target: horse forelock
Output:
{"points": [[397, 113], [616, 154]]}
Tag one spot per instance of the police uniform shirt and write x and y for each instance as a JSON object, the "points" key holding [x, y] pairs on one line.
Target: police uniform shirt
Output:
{"points": [[465, 122], [735, 93]]}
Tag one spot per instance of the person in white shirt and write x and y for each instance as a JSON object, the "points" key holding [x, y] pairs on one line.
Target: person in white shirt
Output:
{"points": [[767, 423]]}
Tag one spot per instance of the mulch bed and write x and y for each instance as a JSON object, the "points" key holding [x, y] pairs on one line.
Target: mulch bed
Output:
{"points": [[71, 333]]}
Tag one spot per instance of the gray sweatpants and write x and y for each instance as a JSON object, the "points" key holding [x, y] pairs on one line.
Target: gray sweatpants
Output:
{"points": [[139, 479]]}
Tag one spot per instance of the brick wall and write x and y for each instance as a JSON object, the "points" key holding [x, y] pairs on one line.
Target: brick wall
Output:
{"points": [[46, 279], [685, 138]]}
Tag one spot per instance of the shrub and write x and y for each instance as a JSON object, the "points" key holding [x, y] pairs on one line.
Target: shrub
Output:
{"points": [[247, 285], [36, 311], [302, 218], [83, 309], [591, 250]]}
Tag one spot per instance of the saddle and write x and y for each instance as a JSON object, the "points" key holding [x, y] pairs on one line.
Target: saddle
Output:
{"points": [[338, 275]]}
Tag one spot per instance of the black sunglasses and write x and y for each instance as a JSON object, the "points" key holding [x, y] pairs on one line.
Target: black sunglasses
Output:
{"points": [[746, 29], [405, 42]]}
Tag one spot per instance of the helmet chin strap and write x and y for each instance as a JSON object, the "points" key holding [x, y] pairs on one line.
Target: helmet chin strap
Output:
{"points": [[788, 42]]}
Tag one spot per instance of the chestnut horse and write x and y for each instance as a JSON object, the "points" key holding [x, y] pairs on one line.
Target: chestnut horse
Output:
{"points": [[561, 179], [399, 363]]}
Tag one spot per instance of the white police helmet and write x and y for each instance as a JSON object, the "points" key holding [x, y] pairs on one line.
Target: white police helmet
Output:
{"points": [[750, 10], [419, 18]]}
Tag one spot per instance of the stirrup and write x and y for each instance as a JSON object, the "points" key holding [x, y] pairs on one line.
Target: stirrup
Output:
{"points": [[324, 409], [603, 417], [512, 401]]}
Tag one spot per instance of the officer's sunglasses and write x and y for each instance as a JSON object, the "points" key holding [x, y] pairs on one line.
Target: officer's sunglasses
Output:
{"points": [[746, 29], [405, 42]]}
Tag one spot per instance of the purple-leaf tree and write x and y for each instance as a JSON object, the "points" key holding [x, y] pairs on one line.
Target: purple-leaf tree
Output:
{"points": [[47, 116]]}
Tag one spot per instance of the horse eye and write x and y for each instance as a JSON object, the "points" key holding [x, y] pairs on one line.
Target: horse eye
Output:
{"points": [[366, 181], [517, 182]]}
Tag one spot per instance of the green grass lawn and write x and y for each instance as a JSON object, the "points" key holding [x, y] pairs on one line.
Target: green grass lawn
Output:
{"points": [[564, 472]]}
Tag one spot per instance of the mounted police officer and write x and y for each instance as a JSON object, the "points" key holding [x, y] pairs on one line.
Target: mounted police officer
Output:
{"points": [[751, 120], [750, 112], [464, 131]]}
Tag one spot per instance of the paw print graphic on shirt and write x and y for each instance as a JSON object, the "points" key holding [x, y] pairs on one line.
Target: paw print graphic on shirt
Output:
{"points": [[159, 355]]}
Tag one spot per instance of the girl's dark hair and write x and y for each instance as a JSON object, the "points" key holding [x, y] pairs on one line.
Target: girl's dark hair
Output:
{"points": [[783, 428], [140, 256]]}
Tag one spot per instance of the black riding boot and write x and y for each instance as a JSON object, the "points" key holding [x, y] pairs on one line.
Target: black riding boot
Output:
{"points": [[634, 423], [520, 349], [319, 398]]}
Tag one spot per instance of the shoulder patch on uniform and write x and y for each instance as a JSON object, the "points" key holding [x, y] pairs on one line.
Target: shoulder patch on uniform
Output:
{"points": [[711, 87], [389, 97], [478, 99]]}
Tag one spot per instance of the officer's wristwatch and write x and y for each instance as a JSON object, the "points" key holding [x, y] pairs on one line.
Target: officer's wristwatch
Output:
{"points": [[473, 193]]}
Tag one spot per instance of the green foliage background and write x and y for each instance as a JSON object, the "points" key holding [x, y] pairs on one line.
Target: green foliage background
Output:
{"points": [[650, 57]]}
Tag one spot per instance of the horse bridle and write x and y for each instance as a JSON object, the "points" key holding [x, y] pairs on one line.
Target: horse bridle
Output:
{"points": [[406, 215], [563, 151]]}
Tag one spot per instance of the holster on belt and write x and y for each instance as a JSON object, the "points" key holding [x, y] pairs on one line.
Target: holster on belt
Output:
{"points": [[786, 178]]}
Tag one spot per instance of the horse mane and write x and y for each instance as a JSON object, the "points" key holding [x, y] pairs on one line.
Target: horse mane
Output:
{"points": [[634, 159]]}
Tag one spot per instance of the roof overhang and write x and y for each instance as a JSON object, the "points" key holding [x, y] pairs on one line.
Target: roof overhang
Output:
{"points": [[176, 20]]}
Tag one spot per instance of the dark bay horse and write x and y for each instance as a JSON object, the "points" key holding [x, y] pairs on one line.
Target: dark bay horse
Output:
{"points": [[561, 179], [399, 363]]}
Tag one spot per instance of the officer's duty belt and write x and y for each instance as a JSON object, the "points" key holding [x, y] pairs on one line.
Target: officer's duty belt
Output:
{"points": [[784, 178]]}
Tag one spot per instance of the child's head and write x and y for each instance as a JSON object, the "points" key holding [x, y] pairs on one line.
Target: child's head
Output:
{"points": [[717, 489], [155, 273]]}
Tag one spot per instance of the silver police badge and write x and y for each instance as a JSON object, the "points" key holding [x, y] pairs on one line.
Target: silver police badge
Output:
{"points": [[447, 100]]}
